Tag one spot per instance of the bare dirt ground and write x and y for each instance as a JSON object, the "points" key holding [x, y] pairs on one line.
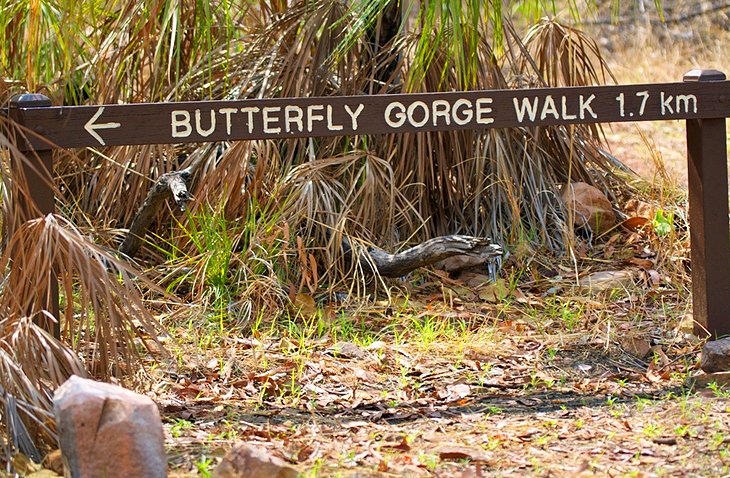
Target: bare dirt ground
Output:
{"points": [[536, 377], [579, 387]]}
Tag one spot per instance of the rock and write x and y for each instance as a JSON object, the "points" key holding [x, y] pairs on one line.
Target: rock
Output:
{"points": [[608, 280], [716, 356], [703, 380], [348, 350], [108, 431], [253, 462], [461, 262], [589, 207]]}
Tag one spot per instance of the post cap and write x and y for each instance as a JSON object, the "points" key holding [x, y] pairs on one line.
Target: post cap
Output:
{"points": [[29, 100], [704, 75]]}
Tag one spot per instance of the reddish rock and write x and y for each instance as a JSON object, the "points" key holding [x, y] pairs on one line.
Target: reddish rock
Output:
{"points": [[108, 431], [721, 379], [589, 207], [716, 356], [461, 262], [246, 461]]}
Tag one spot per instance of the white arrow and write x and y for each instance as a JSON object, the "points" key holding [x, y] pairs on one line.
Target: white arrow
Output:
{"points": [[91, 127]]}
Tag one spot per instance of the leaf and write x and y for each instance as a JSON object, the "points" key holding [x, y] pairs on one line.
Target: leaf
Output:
{"points": [[663, 224], [636, 346], [454, 392], [495, 292], [459, 452], [305, 304], [635, 223], [643, 263]]}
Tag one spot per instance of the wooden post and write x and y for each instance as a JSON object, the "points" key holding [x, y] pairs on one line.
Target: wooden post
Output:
{"points": [[708, 210], [37, 167]]}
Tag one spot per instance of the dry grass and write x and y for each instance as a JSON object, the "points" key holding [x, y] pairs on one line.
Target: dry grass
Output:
{"points": [[636, 53]]}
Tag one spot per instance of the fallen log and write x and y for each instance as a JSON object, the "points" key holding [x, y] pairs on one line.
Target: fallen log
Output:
{"points": [[377, 261]]}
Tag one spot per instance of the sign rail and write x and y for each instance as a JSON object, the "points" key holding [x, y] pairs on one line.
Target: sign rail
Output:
{"points": [[277, 118], [702, 99]]}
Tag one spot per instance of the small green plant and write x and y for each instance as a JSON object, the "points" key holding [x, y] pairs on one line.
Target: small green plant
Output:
{"points": [[642, 403], [492, 443], [429, 460], [719, 439], [204, 465], [550, 423], [179, 427], [544, 440], [315, 470], [682, 430], [720, 391], [428, 329], [566, 312], [652, 430], [663, 222]]}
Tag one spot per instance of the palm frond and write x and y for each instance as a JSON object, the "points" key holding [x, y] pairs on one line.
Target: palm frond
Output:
{"points": [[103, 310]]}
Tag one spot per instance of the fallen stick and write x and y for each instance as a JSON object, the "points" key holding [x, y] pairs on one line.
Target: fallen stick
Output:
{"points": [[169, 184], [377, 261]]}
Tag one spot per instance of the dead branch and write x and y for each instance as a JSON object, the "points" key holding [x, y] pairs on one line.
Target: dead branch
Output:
{"points": [[169, 184], [373, 260], [378, 261]]}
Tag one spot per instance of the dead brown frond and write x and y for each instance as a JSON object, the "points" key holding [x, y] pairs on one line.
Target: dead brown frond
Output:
{"points": [[103, 310], [564, 55], [32, 365]]}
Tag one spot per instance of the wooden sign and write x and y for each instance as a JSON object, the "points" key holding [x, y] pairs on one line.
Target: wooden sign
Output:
{"points": [[184, 122]]}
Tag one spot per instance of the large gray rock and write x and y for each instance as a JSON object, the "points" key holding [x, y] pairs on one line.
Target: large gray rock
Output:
{"points": [[108, 431], [246, 461], [716, 356]]}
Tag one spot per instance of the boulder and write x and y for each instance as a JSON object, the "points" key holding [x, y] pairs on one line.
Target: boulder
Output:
{"points": [[589, 207], [108, 431], [246, 461], [716, 356]]}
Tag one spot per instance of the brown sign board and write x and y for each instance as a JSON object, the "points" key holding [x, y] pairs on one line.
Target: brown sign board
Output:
{"points": [[184, 122]]}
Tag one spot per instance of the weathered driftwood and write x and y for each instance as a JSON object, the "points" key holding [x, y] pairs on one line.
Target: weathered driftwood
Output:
{"points": [[377, 261]]}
